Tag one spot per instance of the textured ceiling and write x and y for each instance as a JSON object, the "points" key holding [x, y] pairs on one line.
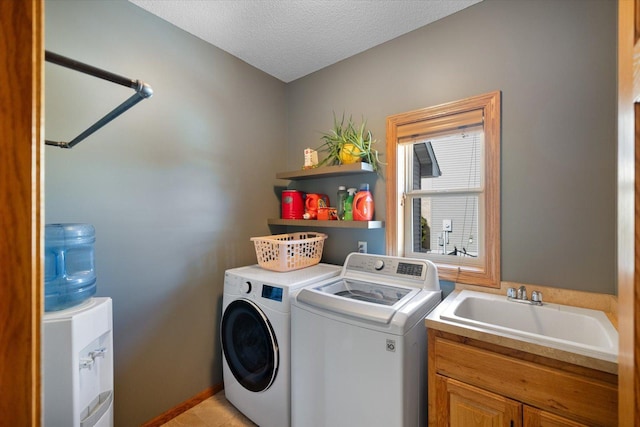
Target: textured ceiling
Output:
{"points": [[289, 39]]}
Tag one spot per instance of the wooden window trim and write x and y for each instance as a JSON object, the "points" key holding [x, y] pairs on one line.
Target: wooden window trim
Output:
{"points": [[489, 274]]}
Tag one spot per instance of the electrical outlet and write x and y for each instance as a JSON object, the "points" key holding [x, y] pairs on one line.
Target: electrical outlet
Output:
{"points": [[362, 247]]}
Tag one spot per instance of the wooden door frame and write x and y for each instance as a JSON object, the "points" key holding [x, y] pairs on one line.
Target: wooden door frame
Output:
{"points": [[21, 212], [628, 215]]}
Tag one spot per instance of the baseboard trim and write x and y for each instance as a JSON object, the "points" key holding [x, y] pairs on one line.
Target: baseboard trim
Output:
{"points": [[184, 406]]}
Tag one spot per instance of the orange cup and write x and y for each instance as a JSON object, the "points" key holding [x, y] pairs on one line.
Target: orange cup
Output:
{"points": [[312, 202], [323, 214]]}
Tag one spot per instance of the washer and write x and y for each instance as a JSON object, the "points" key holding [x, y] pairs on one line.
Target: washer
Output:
{"points": [[359, 344], [256, 334]]}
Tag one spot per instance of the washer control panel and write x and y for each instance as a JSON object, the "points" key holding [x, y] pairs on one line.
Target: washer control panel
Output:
{"points": [[417, 271], [387, 265], [253, 288]]}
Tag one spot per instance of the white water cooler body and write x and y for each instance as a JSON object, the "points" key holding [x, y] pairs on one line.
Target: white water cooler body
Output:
{"points": [[78, 365]]}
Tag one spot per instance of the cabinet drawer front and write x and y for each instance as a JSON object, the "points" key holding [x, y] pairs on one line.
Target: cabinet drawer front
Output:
{"points": [[574, 396]]}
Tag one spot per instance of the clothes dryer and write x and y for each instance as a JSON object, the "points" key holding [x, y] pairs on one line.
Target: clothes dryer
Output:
{"points": [[256, 334], [359, 344]]}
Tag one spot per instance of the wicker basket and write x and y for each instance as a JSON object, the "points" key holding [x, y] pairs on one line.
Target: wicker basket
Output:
{"points": [[286, 252]]}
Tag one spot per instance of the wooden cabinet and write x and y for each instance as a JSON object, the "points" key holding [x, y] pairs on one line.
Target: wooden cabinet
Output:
{"points": [[474, 383], [326, 172]]}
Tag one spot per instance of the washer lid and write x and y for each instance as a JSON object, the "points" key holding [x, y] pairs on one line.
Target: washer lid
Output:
{"points": [[364, 300]]}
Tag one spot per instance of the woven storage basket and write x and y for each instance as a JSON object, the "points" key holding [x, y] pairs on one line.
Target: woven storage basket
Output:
{"points": [[286, 252]]}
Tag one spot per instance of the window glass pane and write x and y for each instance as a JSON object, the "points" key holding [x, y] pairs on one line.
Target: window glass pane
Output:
{"points": [[444, 188], [445, 225], [452, 162]]}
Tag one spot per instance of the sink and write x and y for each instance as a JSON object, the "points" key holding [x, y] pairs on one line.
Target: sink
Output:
{"points": [[563, 327]]}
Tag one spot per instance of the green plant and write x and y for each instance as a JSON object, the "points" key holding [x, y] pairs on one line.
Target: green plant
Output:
{"points": [[346, 141], [426, 234]]}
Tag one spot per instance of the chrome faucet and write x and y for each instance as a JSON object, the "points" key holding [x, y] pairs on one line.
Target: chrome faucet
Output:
{"points": [[520, 295]]}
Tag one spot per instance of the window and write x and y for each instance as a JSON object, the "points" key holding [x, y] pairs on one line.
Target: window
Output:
{"points": [[443, 188]]}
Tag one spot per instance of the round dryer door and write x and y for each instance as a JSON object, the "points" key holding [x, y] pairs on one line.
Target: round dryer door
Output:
{"points": [[249, 345]]}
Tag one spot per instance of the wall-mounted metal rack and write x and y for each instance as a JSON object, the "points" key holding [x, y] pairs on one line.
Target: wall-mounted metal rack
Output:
{"points": [[142, 90]]}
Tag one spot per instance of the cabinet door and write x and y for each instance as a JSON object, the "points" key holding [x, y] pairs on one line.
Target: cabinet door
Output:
{"points": [[463, 405], [534, 417]]}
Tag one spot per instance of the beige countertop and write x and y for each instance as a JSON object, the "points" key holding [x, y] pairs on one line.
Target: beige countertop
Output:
{"points": [[434, 321]]}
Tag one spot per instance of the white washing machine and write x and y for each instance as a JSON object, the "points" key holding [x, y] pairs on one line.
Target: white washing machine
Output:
{"points": [[359, 344], [256, 335]]}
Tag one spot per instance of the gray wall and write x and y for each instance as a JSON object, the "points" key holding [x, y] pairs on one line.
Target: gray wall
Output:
{"points": [[177, 185], [554, 62]]}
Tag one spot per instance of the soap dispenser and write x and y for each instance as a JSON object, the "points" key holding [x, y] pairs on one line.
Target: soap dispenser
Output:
{"points": [[348, 204]]}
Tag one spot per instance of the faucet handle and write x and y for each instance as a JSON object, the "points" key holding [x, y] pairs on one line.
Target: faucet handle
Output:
{"points": [[536, 296], [511, 293]]}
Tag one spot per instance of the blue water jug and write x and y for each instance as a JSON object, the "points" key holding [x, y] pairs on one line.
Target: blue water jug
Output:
{"points": [[69, 267]]}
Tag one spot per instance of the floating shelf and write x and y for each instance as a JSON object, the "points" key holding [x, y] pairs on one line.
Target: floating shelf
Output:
{"points": [[326, 171], [332, 224]]}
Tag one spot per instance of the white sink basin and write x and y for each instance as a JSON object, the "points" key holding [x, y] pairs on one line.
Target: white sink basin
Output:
{"points": [[573, 329]]}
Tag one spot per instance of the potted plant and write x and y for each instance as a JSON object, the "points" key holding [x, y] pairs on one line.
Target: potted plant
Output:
{"points": [[347, 143]]}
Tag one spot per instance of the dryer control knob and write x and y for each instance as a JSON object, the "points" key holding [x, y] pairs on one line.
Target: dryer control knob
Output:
{"points": [[245, 287], [379, 264]]}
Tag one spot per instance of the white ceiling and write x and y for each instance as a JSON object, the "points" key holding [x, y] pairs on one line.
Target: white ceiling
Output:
{"points": [[289, 39]]}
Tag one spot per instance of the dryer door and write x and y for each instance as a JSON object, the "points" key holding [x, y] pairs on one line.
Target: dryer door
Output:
{"points": [[249, 345]]}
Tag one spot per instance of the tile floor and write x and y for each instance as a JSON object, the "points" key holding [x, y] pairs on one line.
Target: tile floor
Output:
{"points": [[215, 411]]}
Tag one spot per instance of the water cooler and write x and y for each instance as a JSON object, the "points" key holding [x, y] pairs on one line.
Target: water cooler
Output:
{"points": [[78, 365]]}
